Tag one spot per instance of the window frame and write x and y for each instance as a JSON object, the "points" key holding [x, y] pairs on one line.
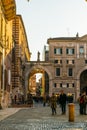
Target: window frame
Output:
{"points": [[70, 51], [58, 51], [57, 71], [81, 50], [70, 74]]}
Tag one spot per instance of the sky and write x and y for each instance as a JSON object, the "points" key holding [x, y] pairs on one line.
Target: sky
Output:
{"points": [[44, 19]]}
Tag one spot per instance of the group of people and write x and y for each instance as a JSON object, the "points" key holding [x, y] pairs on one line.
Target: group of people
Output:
{"points": [[62, 102], [82, 100]]}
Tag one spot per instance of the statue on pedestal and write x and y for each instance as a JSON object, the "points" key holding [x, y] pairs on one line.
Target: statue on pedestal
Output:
{"points": [[38, 56]]}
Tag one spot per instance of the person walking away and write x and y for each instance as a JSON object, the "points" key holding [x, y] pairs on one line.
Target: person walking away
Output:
{"points": [[30, 99], [85, 102], [62, 101], [44, 100], [82, 102], [53, 103]]}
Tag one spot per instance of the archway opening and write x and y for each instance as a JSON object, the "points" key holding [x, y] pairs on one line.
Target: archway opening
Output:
{"points": [[38, 82], [83, 81]]}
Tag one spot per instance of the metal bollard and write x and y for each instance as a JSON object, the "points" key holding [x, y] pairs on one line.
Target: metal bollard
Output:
{"points": [[71, 112]]}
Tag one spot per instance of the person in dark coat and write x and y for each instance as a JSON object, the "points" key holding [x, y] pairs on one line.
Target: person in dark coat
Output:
{"points": [[30, 99], [82, 103], [44, 100], [53, 103], [62, 101]]}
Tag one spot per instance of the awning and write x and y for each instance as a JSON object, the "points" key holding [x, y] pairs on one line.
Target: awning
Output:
{"points": [[9, 9]]}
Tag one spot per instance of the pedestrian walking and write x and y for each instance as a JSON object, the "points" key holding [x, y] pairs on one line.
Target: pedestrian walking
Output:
{"points": [[62, 101], [44, 100], [85, 102], [82, 103], [30, 99], [53, 103]]}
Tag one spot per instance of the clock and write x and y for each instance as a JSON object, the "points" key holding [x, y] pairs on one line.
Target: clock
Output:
{"points": [[81, 50]]}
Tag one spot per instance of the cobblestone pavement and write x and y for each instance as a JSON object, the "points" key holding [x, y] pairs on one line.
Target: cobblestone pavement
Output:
{"points": [[40, 118]]}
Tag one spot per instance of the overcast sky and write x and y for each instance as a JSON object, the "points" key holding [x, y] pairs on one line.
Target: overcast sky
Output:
{"points": [[45, 19]]}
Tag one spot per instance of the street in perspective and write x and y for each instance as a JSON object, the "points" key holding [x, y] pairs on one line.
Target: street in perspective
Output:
{"points": [[39, 117], [43, 65]]}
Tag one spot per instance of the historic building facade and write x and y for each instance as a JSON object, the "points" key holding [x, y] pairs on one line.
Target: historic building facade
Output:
{"points": [[69, 57], [14, 51], [20, 54], [7, 13], [64, 66]]}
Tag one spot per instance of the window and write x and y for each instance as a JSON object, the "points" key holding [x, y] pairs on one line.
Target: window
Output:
{"points": [[70, 61], [55, 61], [81, 50], [70, 51], [58, 51], [73, 61], [70, 72], [58, 61], [67, 61], [85, 61], [70, 85], [73, 85], [67, 85], [55, 85], [61, 85], [57, 71]]}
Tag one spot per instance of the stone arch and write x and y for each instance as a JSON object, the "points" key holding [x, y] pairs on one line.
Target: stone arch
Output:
{"points": [[80, 71], [45, 68], [78, 80], [39, 67]]}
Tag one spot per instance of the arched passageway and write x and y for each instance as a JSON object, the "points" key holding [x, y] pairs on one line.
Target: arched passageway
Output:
{"points": [[45, 70], [83, 81], [38, 83]]}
